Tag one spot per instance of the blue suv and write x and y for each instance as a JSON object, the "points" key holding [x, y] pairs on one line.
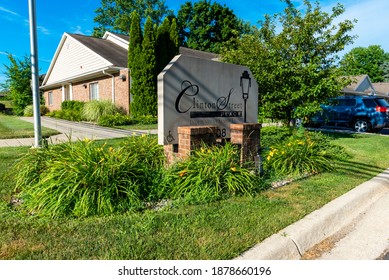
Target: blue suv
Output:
{"points": [[362, 113]]}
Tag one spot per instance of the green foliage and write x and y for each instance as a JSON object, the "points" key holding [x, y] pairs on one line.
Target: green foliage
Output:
{"points": [[115, 15], [95, 109], [18, 75], [210, 174], [67, 114], [72, 105], [115, 120], [85, 178], [147, 57], [274, 135], [295, 68], [145, 120], [303, 153], [145, 101], [206, 26], [370, 60], [162, 45], [29, 110]]}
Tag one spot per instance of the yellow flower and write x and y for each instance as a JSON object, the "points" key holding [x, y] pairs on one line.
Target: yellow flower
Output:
{"points": [[233, 169], [182, 173], [110, 149], [268, 157], [289, 144]]}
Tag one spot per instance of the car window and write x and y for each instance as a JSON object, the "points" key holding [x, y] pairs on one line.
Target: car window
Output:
{"points": [[369, 103], [345, 102], [382, 102]]}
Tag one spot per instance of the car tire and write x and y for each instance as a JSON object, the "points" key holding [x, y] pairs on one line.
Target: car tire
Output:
{"points": [[362, 125]]}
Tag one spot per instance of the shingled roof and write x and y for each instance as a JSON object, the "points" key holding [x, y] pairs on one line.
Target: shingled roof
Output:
{"points": [[105, 48]]}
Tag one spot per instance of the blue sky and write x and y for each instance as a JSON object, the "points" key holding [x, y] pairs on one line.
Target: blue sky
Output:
{"points": [[76, 16]]}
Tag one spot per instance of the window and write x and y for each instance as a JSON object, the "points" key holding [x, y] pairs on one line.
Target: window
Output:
{"points": [[50, 98], [94, 91], [346, 102], [369, 103]]}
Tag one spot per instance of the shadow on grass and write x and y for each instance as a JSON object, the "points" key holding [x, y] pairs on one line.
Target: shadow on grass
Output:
{"points": [[358, 168]]}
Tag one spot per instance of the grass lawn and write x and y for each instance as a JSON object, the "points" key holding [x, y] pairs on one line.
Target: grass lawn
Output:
{"points": [[220, 230], [13, 127]]}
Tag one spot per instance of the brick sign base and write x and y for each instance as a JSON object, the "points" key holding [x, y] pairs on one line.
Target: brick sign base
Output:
{"points": [[190, 138]]}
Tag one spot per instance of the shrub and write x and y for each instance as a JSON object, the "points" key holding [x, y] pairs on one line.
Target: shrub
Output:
{"points": [[95, 109], [115, 120], [209, 174], [86, 178], [29, 110], [147, 119], [303, 153], [72, 105], [67, 114]]}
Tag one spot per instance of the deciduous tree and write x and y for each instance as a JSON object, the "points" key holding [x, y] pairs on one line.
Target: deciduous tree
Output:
{"points": [[368, 61], [115, 15], [205, 26], [295, 67], [18, 82]]}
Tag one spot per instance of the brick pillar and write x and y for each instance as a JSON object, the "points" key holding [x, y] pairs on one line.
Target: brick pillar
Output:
{"points": [[247, 136], [189, 139]]}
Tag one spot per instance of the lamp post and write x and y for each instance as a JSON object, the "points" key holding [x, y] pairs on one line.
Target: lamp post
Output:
{"points": [[245, 83]]}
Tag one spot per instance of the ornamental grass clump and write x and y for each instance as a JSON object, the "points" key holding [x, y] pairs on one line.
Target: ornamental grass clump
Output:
{"points": [[210, 174], [84, 178], [95, 109], [303, 153]]}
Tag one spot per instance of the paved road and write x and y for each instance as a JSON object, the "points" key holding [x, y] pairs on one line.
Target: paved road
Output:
{"points": [[74, 131]]}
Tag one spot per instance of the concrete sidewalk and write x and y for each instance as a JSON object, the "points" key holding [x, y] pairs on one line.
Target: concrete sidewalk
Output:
{"points": [[73, 131], [356, 223]]}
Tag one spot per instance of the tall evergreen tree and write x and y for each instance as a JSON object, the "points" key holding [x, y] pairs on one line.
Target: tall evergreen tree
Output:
{"points": [[174, 39], [134, 61], [163, 38], [147, 101]]}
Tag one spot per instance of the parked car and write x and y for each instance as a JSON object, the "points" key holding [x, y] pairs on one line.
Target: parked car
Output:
{"points": [[362, 113]]}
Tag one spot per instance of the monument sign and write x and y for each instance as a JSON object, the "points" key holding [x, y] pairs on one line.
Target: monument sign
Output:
{"points": [[200, 92]]}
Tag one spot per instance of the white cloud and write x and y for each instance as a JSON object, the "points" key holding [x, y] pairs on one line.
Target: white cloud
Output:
{"points": [[77, 30], [371, 27], [9, 11]]}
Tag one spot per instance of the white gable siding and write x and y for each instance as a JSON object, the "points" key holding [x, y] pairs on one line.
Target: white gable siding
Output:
{"points": [[74, 59], [117, 40]]}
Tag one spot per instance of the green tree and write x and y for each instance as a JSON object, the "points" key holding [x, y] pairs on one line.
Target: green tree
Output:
{"points": [[174, 39], [18, 83], [135, 62], [147, 103], [295, 67], [115, 15], [163, 42], [368, 61], [205, 26]]}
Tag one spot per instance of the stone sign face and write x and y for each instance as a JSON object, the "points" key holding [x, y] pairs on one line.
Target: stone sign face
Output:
{"points": [[198, 92]]}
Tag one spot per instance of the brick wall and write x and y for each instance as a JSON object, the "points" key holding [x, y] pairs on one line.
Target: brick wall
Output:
{"points": [[81, 91], [246, 136]]}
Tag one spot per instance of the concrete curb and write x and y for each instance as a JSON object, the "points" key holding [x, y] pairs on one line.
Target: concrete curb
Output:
{"points": [[293, 241]]}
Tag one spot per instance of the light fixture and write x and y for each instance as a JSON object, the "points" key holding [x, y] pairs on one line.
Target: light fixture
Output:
{"points": [[85, 85], [123, 77], [245, 83]]}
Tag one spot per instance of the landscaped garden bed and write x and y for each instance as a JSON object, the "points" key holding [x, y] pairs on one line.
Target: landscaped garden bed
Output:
{"points": [[185, 227]]}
